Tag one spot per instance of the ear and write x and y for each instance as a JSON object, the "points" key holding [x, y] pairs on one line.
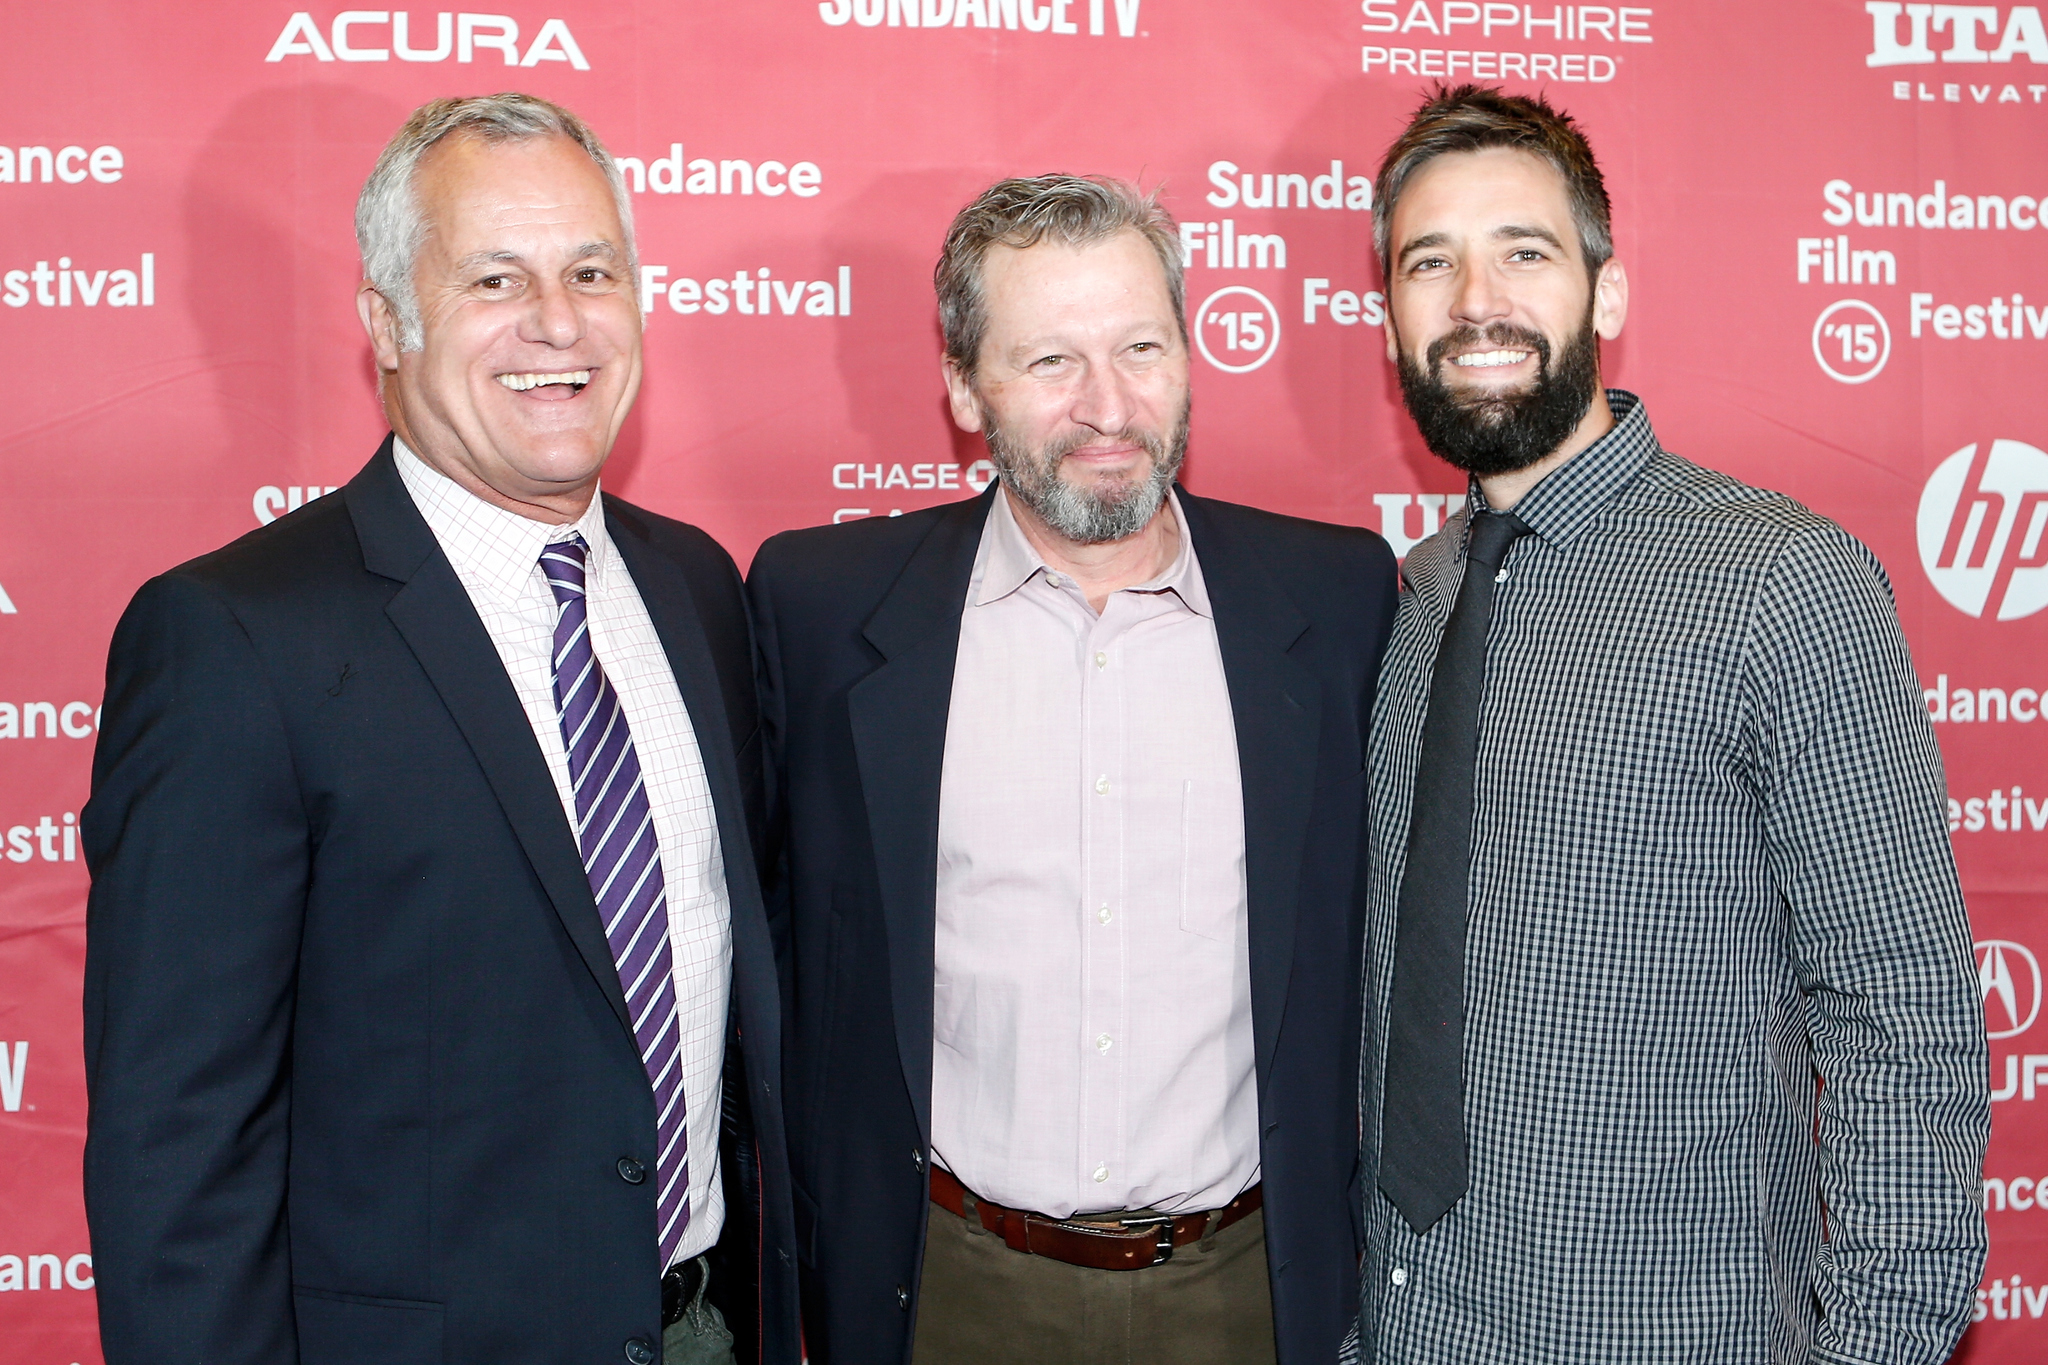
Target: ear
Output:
{"points": [[380, 321], [1387, 326], [961, 396], [1610, 300]]}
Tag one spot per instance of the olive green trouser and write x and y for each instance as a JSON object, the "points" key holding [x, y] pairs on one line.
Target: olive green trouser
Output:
{"points": [[980, 1303], [699, 1337]]}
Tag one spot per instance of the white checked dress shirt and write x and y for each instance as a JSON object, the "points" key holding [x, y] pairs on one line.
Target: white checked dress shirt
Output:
{"points": [[496, 555], [1092, 1027]]}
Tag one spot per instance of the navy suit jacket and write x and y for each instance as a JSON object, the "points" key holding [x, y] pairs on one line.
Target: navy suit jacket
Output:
{"points": [[360, 1073], [858, 627]]}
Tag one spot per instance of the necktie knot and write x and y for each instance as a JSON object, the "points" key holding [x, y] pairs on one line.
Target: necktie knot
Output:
{"points": [[1492, 534], [563, 563]]}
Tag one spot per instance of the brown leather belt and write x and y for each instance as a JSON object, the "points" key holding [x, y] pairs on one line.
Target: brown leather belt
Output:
{"points": [[1107, 1244]]}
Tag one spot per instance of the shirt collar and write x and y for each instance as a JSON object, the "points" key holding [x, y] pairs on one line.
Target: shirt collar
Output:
{"points": [[1006, 561], [1568, 498], [493, 549]]}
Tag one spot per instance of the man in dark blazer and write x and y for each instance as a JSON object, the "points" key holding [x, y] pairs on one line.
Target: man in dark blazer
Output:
{"points": [[1070, 793], [423, 840]]}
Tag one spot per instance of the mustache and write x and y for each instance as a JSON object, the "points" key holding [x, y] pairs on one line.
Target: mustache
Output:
{"points": [[1151, 441], [1497, 335]]}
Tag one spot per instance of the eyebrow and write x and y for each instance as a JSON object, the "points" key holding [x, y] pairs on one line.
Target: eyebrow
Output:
{"points": [[478, 259], [1423, 243], [1507, 232]]}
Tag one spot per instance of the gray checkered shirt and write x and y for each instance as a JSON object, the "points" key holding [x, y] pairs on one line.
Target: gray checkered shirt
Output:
{"points": [[1710, 868]]}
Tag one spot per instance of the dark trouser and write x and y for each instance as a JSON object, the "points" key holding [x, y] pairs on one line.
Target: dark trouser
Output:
{"points": [[980, 1303]]}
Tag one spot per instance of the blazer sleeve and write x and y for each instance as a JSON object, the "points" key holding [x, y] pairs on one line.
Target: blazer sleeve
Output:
{"points": [[198, 844]]}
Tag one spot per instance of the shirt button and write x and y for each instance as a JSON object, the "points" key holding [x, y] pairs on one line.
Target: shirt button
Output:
{"points": [[1102, 786], [1101, 659], [1501, 577], [1101, 1174], [1103, 914], [1400, 1276], [1102, 1042]]}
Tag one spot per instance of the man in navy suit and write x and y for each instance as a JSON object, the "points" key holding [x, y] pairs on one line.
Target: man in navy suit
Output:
{"points": [[1070, 789], [423, 835]]}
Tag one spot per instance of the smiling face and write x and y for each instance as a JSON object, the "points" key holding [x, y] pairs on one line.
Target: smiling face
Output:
{"points": [[1082, 384], [531, 355], [1492, 318]]}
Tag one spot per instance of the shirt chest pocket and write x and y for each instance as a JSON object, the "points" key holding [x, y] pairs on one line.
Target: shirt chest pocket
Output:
{"points": [[1211, 864]]}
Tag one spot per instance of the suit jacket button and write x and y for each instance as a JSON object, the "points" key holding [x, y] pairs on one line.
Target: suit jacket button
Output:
{"points": [[902, 1298], [640, 1351], [631, 1171]]}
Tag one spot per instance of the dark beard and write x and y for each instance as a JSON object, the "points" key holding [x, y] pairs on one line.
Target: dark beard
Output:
{"points": [[1095, 515], [1499, 433]]}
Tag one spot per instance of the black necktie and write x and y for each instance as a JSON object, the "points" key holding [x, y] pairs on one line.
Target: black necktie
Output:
{"points": [[1422, 1153]]}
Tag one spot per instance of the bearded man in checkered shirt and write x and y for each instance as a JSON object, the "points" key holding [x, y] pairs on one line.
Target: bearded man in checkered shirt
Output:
{"points": [[1674, 1049]]}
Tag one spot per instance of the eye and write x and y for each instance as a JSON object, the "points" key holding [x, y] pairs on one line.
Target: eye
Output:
{"points": [[1427, 263], [1046, 362], [1526, 253], [494, 283], [590, 274]]}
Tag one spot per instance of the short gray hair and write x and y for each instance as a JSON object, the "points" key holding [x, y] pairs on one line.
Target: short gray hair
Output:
{"points": [[1078, 210], [390, 228]]}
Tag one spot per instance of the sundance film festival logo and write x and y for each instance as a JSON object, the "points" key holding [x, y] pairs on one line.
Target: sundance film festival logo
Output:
{"points": [[375, 35], [2010, 981], [1237, 329], [1852, 341], [1032, 16], [1983, 529]]}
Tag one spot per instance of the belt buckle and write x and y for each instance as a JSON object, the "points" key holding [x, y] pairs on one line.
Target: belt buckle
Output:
{"points": [[1163, 1246]]}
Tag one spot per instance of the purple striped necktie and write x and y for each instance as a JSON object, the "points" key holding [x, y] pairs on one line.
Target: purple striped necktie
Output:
{"points": [[615, 828]]}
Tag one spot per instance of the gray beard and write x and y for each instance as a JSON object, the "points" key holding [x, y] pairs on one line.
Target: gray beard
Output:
{"points": [[1087, 515]]}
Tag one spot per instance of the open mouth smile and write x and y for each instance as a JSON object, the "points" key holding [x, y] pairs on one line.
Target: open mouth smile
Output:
{"points": [[560, 385], [1482, 360]]}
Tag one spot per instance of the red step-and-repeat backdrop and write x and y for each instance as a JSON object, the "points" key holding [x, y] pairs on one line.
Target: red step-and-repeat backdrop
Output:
{"points": [[1834, 213]]}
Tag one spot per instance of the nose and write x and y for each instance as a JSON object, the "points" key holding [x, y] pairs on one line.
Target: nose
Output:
{"points": [[554, 316], [1480, 299], [1104, 401]]}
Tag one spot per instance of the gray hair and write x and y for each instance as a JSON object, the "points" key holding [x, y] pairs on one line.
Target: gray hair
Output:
{"points": [[1078, 210], [390, 228]]}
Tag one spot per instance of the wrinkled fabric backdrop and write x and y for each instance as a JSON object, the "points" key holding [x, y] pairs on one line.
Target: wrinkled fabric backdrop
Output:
{"points": [[1832, 213]]}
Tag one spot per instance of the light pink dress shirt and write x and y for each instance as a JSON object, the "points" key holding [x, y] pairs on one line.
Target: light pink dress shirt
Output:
{"points": [[1092, 1028]]}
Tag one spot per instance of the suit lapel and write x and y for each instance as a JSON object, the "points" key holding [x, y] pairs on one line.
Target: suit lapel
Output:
{"points": [[899, 715], [1276, 705], [432, 611]]}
